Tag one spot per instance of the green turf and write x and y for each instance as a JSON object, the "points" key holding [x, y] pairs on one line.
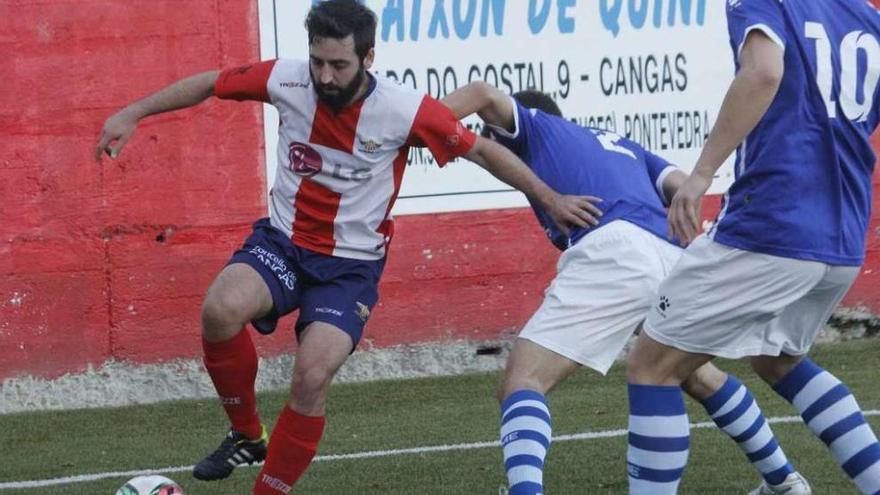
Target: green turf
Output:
{"points": [[412, 413]]}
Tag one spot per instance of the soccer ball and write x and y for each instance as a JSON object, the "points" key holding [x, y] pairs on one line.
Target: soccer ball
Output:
{"points": [[150, 485]]}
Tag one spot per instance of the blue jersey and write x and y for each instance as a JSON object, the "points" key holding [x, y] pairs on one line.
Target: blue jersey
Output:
{"points": [[803, 175], [580, 161]]}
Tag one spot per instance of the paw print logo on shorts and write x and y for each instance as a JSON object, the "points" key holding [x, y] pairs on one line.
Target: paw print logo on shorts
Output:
{"points": [[664, 304]]}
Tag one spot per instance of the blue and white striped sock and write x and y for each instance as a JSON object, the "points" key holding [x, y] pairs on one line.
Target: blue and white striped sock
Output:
{"points": [[659, 439], [832, 414], [526, 431], [734, 410]]}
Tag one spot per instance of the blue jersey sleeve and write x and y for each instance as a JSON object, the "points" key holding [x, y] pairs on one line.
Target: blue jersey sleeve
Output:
{"points": [[745, 16], [658, 170], [523, 123]]}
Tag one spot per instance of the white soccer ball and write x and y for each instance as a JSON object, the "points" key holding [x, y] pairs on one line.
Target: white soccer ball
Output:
{"points": [[150, 485]]}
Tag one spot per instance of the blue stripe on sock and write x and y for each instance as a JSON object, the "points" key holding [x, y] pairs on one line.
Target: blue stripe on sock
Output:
{"points": [[526, 488], [737, 411], [526, 435], [521, 395], [523, 460], [778, 476], [792, 383], [829, 399], [659, 444], [764, 451], [751, 430], [842, 427], [863, 460], [655, 475], [655, 400], [519, 412], [719, 398]]}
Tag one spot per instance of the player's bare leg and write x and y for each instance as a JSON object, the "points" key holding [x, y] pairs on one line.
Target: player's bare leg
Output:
{"points": [[532, 367], [526, 430], [659, 438], [237, 296], [322, 350]]}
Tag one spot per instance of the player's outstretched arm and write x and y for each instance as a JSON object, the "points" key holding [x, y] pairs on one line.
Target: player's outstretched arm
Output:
{"points": [[119, 128], [750, 95], [487, 101], [566, 211]]}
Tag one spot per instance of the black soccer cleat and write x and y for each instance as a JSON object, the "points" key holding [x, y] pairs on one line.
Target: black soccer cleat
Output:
{"points": [[234, 450]]}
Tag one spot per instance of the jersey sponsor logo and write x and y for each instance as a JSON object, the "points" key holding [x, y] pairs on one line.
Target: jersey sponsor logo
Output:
{"points": [[304, 160], [369, 146], [230, 400], [296, 84]]}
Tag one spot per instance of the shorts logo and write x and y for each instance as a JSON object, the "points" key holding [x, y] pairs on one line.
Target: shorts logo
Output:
{"points": [[277, 265], [332, 311], [663, 305], [230, 400], [363, 311], [304, 160]]}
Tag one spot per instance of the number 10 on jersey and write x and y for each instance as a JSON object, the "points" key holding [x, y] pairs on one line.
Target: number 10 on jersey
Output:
{"points": [[853, 44]]}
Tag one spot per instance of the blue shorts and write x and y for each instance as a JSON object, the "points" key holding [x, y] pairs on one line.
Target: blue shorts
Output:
{"points": [[338, 291]]}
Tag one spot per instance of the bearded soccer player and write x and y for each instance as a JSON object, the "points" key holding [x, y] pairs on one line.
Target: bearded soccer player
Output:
{"points": [[343, 145], [788, 243]]}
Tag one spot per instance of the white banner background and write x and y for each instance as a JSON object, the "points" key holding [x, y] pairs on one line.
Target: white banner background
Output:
{"points": [[652, 70]]}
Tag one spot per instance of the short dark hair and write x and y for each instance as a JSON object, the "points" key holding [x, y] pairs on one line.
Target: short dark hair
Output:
{"points": [[531, 98], [339, 18]]}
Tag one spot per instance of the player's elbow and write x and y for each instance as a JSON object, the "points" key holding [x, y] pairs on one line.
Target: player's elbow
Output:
{"points": [[767, 76]]}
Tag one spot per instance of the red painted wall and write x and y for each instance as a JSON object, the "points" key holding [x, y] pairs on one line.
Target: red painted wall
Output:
{"points": [[112, 260]]}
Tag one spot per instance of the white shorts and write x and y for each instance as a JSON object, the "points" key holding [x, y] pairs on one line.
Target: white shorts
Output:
{"points": [[732, 303], [604, 286]]}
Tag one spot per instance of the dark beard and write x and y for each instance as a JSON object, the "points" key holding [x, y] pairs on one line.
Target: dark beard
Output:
{"points": [[342, 96]]}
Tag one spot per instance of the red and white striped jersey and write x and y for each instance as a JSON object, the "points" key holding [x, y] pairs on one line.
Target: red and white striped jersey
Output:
{"points": [[339, 173]]}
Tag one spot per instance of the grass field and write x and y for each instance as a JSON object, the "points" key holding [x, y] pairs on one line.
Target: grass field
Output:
{"points": [[390, 415]]}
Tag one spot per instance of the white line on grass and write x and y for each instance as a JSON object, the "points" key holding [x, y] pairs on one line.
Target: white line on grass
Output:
{"points": [[590, 435]]}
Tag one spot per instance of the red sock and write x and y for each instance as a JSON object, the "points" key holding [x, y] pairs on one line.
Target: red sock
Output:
{"points": [[292, 446], [232, 365]]}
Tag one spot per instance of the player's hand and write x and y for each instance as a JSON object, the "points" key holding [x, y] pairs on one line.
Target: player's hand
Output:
{"points": [[578, 211], [117, 130], [684, 210]]}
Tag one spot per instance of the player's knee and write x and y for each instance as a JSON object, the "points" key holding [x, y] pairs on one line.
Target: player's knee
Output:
{"points": [[310, 381], [636, 371], [771, 369], [515, 380], [704, 382], [220, 316]]}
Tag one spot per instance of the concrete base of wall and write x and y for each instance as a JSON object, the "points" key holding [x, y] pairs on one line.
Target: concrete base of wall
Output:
{"points": [[120, 384]]}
